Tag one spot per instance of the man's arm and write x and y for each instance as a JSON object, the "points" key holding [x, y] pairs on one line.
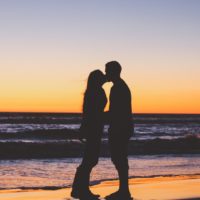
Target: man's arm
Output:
{"points": [[106, 117]]}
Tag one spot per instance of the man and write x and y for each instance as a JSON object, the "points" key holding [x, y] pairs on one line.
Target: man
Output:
{"points": [[121, 127]]}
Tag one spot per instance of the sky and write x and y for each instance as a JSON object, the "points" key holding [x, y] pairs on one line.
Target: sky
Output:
{"points": [[48, 48]]}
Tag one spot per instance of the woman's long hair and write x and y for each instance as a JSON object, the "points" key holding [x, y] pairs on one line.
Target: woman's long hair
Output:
{"points": [[94, 82]]}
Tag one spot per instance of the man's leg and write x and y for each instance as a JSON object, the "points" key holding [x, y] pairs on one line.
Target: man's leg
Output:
{"points": [[119, 158], [121, 164], [122, 169]]}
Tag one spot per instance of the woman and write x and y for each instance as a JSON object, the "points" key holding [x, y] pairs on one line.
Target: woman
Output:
{"points": [[91, 130]]}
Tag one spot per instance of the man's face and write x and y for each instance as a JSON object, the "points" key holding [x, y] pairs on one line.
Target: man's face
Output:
{"points": [[104, 79], [109, 74]]}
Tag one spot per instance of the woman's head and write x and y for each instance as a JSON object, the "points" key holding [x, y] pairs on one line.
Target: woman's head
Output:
{"points": [[95, 79]]}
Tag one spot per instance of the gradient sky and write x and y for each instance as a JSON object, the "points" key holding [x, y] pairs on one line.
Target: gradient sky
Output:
{"points": [[48, 48]]}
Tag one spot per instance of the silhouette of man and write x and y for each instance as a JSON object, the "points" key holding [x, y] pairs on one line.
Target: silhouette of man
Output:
{"points": [[120, 127]]}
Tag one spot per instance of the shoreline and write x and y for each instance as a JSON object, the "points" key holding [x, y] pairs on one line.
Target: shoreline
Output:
{"points": [[157, 188], [95, 183]]}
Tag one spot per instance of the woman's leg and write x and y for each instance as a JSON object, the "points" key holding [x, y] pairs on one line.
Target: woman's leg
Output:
{"points": [[90, 159]]}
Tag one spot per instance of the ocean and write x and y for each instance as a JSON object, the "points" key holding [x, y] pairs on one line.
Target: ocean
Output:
{"points": [[42, 150]]}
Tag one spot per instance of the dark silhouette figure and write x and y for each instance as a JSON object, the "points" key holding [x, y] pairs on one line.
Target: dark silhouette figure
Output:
{"points": [[121, 127], [91, 130]]}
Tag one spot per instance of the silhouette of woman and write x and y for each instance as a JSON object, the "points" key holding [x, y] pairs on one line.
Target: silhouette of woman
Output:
{"points": [[91, 130]]}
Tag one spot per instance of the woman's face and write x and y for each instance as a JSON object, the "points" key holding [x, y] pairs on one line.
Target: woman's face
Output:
{"points": [[103, 79], [96, 79]]}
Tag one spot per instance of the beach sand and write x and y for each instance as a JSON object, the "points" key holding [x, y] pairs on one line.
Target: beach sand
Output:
{"points": [[158, 188]]}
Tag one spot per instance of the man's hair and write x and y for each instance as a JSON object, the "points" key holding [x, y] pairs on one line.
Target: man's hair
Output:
{"points": [[114, 66]]}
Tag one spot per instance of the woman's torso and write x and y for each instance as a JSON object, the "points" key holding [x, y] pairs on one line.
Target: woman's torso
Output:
{"points": [[93, 108]]}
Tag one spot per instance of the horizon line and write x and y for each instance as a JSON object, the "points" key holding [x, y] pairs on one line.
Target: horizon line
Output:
{"points": [[137, 113]]}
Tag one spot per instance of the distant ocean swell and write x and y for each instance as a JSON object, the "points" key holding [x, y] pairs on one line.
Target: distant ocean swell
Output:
{"points": [[73, 118], [70, 131]]}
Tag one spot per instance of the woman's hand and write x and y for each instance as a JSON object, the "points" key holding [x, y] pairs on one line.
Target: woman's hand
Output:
{"points": [[82, 133]]}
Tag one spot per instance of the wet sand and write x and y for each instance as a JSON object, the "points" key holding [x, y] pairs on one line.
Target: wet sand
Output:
{"points": [[159, 188]]}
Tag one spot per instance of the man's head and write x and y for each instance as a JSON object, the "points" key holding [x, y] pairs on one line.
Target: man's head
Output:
{"points": [[113, 70]]}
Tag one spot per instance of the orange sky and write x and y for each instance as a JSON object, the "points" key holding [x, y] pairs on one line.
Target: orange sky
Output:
{"points": [[62, 95]]}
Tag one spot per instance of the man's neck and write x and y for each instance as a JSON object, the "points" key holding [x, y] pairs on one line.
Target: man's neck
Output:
{"points": [[117, 80]]}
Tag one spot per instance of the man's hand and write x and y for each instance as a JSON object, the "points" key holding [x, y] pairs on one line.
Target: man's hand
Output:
{"points": [[106, 117]]}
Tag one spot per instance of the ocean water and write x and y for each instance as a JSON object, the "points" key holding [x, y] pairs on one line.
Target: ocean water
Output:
{"points": [[39, 150]]}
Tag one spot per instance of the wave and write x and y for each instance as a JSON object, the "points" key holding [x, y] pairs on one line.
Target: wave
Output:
{"points": [[42, 134], [74, 148], [36, 132]]}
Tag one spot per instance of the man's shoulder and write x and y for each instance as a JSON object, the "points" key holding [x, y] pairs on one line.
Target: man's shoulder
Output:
{"points": [[120, 85], [123, 85]]}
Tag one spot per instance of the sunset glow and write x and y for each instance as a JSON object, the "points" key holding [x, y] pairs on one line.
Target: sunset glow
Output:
{"points": [[48, 48]]}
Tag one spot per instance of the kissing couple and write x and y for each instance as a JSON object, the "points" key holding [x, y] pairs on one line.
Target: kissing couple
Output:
{"points": [[120, 130]]}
